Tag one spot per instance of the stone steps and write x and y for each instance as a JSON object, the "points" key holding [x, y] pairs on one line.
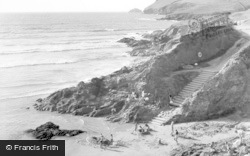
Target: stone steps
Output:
{"points": [[193, 86], [178, 100], [175, 104], [187, 91]]}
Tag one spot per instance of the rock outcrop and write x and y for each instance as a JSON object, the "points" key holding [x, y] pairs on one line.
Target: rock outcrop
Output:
{"points": [[139, 46], [225, 93], [177, 38], [136, 10], [184, 9], [49, 130], [140, 92]]}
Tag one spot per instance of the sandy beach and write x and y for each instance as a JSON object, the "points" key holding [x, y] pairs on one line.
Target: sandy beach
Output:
{"points": [[163, 77], [132, 144]]}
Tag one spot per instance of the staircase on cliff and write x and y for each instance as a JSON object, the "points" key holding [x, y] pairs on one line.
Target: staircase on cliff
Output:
{"points": [[192, 87], [187, 91], [201, 79]]}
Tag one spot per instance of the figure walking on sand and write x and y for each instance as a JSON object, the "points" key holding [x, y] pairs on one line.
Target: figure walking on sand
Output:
{"points": [[176, 136], [239, 142], [241, 134], [136, 127], [172, 128], [228, 149], [111, 139], [101, 140], [147, 128]]}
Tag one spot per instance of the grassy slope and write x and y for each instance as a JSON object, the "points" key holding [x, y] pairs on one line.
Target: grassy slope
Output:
{"points": [[203, 6]]}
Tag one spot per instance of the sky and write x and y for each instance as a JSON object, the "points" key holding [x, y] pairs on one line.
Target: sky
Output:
{"points": [[72, 5]]}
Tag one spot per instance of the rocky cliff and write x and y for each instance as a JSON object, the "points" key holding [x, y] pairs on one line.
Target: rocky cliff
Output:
{"points": [[227, 92], [184, 9], [140, 92]]}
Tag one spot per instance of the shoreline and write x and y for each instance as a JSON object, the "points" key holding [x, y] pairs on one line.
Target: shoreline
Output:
{"points": [[20, 105], [149, 80], [203, 132]]}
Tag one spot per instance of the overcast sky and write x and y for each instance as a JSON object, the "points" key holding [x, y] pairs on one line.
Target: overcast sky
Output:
{"points": [[72, 5]]}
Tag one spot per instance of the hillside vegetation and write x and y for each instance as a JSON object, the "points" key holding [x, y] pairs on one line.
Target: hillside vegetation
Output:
{"points": [[196, 7]]}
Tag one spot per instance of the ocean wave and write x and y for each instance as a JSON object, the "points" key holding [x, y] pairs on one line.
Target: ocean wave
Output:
{"points": [[116, 30], [4, 32], [60, 51], [40, 84], [31, 94], [41, 64], [104, 30], [42, 91], [37, 28], [147, 19], [137, 36], [101, 57], [39, 51]]}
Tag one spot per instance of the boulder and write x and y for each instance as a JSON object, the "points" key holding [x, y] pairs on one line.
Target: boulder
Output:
{"points": [[49, 130]]}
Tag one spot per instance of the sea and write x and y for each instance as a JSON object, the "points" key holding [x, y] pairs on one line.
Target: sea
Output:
{"points": [[44, 52]]}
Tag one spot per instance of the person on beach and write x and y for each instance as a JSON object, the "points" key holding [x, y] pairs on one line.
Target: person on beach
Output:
{"points": [[113, 111], [101, 140], [133, 95], [176, 136], [212, 149], [241, 134], [106, 142], [112, 139], [141, 130], [160, 142], [136, 126], [239, 142], [172, 128], [94, 111], [147, 128], [228, 149], [143, 94], [128, 98], [171, 99]]}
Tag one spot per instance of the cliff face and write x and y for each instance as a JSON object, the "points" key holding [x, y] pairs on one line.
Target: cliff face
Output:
{"points": [[225, 93], [140, 92], [183, 9]]}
